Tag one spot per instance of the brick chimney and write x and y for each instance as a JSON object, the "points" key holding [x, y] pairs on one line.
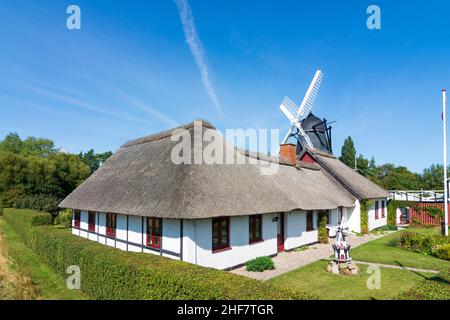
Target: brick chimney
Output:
{"points": [[287, 152]]}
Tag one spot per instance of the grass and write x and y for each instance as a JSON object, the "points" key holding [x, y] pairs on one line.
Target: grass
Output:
{"points": [[385, 250], [46, 284], [315, 280], [395, 283]]}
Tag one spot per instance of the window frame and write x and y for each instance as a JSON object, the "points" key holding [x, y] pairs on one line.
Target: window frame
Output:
{"points": [[91, 224], [76, 218], [252, 228], [221, 221], [150, 238], [111, 229], [309, 220], [377, 216]]}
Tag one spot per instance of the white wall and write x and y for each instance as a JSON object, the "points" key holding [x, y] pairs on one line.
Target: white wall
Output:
{"points": [[198, 242], [353, 217], [296, 234], [376, 223], [132, 238]]}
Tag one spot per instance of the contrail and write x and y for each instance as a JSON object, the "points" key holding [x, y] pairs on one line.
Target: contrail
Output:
{"points": [[192, 39]]}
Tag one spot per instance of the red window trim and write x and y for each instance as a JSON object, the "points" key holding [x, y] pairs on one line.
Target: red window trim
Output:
{"points": [[383, 209], [252, 229], [111, 230], [376, 210], [76, 218], [91, 225], [152, 239], [226, 246]]}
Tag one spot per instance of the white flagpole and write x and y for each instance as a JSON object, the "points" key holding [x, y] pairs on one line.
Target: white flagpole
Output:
{"points": [[444, 106]]}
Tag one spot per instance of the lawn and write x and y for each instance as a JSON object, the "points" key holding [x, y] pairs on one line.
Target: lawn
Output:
{"points": [[315, 280], [385, 250], [34, 275]]}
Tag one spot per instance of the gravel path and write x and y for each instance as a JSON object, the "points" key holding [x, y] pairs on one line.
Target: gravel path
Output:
{"points": [[396, 267], [287, 261]]}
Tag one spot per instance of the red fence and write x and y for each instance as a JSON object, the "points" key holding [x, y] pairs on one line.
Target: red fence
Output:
{"points": [[417, 215]]}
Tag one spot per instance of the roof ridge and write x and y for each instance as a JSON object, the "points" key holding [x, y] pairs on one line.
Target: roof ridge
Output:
{"points": [[167, 133]]}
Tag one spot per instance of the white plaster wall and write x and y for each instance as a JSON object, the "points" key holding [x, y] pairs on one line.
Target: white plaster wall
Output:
{"points": [[121, 231], [198, 245], [171, 236], [83, 224], [398, 215], [296, 234], [135, 233], [102, 227], [353, 217], [334, 217], [377, 223]]}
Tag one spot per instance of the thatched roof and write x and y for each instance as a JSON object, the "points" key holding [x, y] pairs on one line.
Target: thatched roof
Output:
{"points": [[358, 185], [141, 179]]}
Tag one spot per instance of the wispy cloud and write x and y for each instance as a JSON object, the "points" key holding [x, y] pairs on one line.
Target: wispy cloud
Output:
{"points": [[192, 39]]}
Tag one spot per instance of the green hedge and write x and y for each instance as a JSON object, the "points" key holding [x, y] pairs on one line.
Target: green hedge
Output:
{"points": [[108, 273]]}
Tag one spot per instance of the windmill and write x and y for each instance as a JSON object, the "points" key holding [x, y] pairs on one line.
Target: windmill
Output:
{"points": [[296, 115], [342, 262]]}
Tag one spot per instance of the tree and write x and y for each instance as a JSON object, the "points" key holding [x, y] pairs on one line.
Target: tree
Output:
{"points": [[362, 165], [94, 160], [433, 177], [348, 153]]}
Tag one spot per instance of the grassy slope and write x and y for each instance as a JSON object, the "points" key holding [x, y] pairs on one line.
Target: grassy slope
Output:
{"points": [[47, 284], [385, 250], [314, 279]]}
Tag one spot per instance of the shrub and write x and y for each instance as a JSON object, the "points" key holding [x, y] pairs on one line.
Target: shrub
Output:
{"points": [[364, 209], [322, 226], [64, 218], [425, 244], [260, 264], [37, 202], [108, 273], [442, 252], [434, 288]]}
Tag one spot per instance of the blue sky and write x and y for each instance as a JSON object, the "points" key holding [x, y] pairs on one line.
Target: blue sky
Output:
{"points": [[129, 71]]}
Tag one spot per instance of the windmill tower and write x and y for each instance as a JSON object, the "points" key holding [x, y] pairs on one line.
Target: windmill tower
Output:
{"points": [[308, 130]]}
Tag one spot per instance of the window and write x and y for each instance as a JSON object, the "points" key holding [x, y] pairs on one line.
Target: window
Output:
{"points": [[111, 225], [154, 232], [376, 210], [220, 234], [76, 218], [383, 209], [309, 221], [91, 221], [255, 228]]}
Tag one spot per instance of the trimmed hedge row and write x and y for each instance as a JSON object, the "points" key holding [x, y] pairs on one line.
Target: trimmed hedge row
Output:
{"points": [[108, 273]]}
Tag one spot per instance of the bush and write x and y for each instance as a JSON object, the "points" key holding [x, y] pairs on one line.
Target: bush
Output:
{"points": [[64, 218], [442, 252], [425, 244], [260, 264], [108, 273], [322, 226], [37, 202]]}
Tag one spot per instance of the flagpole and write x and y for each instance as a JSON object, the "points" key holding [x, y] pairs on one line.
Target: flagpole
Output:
{"points": [[444, 107]]}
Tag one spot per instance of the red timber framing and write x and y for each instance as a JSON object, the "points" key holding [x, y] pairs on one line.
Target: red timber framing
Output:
{"points": [[154, 227], [308, 158], [418, 214]]}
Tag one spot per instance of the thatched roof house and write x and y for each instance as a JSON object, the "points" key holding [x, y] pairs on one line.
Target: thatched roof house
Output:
{"points": [[188, 194]]}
